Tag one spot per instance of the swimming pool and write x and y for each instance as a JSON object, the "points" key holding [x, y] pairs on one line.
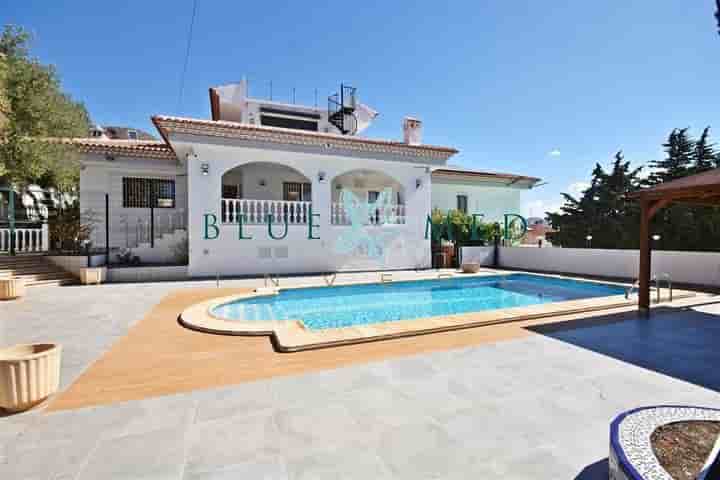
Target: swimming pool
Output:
{"points": [[351, 305]]}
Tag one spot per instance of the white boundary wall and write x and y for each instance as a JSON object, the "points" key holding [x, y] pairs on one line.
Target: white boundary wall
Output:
{"points": [[699, 268], [73, 263], [481, 255]]}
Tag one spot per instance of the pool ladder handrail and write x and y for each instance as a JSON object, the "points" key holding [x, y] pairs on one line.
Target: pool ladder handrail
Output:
{"points": [[386, 278], [668, 281], [634, 286], [275, 281], [330, 278]]}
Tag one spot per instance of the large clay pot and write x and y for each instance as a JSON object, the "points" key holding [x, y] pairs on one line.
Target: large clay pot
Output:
{"points": [[470, 267], [28, 375], [92, 275], [11, 288]]}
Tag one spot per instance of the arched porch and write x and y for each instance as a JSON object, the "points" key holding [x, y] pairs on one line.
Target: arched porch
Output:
{"points": [[260, 189], [375, 196]]}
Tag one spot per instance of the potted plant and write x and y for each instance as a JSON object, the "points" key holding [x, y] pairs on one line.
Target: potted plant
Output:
{"points": [[11, 288], [470, 267], [92, 275], [28, 375]]}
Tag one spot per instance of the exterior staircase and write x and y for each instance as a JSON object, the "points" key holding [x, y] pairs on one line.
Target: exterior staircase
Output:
{"points": [[162, 252], [35, 270]]}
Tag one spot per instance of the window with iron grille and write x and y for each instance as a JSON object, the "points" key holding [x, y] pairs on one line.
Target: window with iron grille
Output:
{"points": [[462, 203], [297, 192], [148, 192]]}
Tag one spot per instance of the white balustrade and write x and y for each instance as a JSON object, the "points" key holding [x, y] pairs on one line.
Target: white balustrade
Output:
{"points": [[256, 212], [393, 214], [26, 239]]}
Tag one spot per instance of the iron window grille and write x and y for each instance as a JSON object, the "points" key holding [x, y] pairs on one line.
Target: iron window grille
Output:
{"points": [[148, 193], [462, 203]]}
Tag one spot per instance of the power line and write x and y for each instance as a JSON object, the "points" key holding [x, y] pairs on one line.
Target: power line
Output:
{"points": [[187, 57]]}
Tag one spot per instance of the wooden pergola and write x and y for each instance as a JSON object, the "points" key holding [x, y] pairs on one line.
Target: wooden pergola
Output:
{"points": [[700, 189]]}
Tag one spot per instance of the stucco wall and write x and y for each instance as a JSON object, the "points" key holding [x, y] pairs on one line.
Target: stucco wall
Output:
{"points": [[99, 176], [700, 268], [492, 201], [147, 274]]}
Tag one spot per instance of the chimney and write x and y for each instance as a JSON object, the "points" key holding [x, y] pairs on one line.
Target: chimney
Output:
{"points": [[412, 130]]}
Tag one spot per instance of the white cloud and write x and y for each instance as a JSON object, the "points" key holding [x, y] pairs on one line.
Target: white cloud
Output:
{"points": [[537, 208], [646, 172], [576, 189], [554, 152]]}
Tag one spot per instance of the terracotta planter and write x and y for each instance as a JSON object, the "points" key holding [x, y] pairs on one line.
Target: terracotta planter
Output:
{"points": [[92, 275], [28, 375], [11, 288], [470, 267]]}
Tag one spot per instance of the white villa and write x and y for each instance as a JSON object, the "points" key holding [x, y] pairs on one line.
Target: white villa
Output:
{"points": [[337, 201]]}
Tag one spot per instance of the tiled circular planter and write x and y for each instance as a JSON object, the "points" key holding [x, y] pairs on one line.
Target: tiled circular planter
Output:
{"points": [[11, 288], [631, 456], [28, 375], [470, 267]]}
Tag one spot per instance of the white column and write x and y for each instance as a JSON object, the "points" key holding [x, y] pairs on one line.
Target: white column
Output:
{"points": [[45, 238]]}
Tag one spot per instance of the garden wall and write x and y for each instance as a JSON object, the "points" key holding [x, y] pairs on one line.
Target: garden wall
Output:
{"points": [[73, 263], [699, 268], [147, 274]]}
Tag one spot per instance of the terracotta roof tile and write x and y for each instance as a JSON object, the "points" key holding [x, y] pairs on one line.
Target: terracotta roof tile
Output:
{"points": [[135, 148], [221, 128]]}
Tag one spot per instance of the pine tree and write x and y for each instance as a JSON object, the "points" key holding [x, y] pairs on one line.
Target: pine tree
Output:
{"points": [[705, 155], [680, 153], [602, 211]]}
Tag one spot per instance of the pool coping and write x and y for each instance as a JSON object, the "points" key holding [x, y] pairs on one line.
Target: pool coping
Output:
{"points": [[293, 336]]}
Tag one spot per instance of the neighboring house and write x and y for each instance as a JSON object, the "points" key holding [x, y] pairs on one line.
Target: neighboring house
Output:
{"points": [[472, 191], [363, 201], [109, 132], [538, 228]]}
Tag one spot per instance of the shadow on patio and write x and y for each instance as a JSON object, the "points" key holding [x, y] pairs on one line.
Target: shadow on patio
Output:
{"points": [[678, 342]]}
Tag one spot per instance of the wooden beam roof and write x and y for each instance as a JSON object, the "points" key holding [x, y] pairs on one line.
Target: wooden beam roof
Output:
{"points": [[702, 188]]}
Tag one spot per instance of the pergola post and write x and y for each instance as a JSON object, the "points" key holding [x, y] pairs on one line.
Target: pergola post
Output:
{"points": [[645, 258], [699, 189]]}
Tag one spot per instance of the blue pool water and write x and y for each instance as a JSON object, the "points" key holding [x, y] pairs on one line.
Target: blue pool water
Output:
{"points": [[350, 305]]}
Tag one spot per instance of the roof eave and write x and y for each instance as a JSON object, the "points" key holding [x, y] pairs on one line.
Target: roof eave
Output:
{"points": [[220, 128], [506, 179]]}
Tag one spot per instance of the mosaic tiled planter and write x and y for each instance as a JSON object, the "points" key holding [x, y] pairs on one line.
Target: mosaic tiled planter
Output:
{"points": [[28, 375], [470, 267], [11, 288], [92, 275], [631, 456]]}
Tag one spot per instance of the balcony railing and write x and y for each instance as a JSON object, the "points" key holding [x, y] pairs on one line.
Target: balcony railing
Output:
{"points": [[26, 239], [381, 215], [256, 211]]}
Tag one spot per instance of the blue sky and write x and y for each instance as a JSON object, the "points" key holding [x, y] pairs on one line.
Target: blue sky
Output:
{"points": [[506, 83]]}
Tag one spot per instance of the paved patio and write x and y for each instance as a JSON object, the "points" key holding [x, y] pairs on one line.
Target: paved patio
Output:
{"points": [[532, 407]]}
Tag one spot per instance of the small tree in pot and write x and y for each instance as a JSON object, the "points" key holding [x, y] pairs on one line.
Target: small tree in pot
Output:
{"points": [[70, 229]]}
